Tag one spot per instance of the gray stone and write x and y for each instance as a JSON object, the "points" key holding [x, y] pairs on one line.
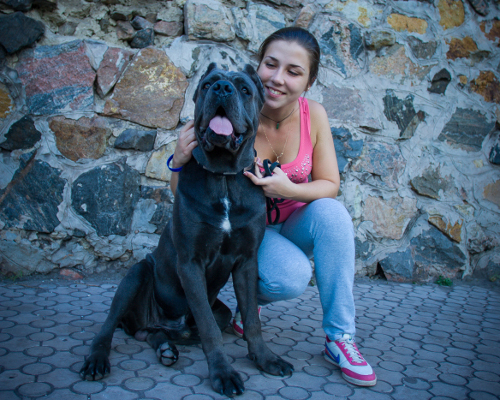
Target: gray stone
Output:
{"points": [[466, 130], [139, 23], [429, 255], [22, 135], [106, 196], [18, 31], [363, 249], [435, 254], [490, 272], [403, 113], [208, 19], [68, 28], [480, 6], [32, 198], [440, 82], [105, 25], [381, 160], [143, 38], [136, 140], [164, 200], [420, 49], [255, 23], [346, 148], [375, 40], [169, 28], [431, 183], [124, 30], [356, 46], [495, 154], [18, 5], [289, 3], [349, 106], [398, 266]]}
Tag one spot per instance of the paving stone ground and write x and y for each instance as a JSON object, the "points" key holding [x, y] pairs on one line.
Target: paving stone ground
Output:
{"points": [[424, 342]]}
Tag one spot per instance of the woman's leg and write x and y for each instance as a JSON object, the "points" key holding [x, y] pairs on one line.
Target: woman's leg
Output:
{"points": [[284, 270], [324, 229]]}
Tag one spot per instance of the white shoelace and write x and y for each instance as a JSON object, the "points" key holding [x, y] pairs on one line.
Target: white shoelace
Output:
{"points": [[351, 348]]}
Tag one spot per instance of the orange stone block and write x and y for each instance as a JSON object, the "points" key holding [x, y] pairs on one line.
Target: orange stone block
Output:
{"points": [[452, 13], [403, 23], [6, 103], [454, 231], [461, 48], [487, 85], [492, 192], [491, 29]]}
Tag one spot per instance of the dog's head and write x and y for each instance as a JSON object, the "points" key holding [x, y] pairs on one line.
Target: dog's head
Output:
{"points": [[227, 107]]}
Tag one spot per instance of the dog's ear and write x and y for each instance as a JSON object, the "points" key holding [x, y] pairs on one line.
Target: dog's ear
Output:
{"points": [[210, 68], [250, 71]]}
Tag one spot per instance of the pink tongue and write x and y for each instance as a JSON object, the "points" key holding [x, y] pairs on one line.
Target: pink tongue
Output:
{"points": [[221, 126]]}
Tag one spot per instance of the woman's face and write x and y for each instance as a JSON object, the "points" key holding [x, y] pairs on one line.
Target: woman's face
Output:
{"points": [[284, 71]]}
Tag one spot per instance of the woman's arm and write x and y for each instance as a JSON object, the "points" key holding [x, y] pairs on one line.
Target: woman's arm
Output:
{"points": [[325, 173], [183, 150]]}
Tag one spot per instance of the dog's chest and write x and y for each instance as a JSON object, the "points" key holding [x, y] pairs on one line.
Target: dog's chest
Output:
{"points": [[225, 224]]}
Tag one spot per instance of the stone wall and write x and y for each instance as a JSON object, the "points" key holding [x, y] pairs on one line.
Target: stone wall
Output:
{"points": [[93, 94]]}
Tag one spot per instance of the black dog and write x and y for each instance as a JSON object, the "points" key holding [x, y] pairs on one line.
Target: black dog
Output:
{"points": [[217, 226]]}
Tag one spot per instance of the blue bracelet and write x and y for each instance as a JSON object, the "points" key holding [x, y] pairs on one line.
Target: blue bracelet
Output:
{"points": [[170, 168]]}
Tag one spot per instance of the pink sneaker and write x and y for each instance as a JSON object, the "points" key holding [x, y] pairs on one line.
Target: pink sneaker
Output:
{"points": [[344, 354], [238, 323]]}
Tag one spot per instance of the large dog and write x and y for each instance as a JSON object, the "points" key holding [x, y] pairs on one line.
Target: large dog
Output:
{"points": [[217, 226]]}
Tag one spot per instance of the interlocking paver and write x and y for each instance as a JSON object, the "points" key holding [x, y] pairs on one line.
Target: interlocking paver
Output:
{"points": [[424, 341]]}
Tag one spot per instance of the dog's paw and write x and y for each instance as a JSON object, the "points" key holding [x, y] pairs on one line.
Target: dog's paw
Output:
{"points": [[273, 365], [167, 354], [95, 367], [228, 383]]}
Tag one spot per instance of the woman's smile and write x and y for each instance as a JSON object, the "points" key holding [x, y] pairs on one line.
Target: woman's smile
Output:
{"points": [[284, 71]]}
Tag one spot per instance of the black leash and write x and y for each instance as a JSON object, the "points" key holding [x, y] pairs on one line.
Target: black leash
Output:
{"points": [[272, 203]]}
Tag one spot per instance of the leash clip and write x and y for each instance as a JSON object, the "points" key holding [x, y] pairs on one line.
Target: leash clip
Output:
{"points": [[272, 203]]}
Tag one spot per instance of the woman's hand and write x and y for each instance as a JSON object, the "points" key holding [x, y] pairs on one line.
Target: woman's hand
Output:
{"points": [[276, 186], [185, 145]]}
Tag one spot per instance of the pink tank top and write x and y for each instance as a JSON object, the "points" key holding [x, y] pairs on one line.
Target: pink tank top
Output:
{"points": [[299, 169]]}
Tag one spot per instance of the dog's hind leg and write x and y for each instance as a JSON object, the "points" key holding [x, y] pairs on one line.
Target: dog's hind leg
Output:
{"points": [[166, 351], [97, 365]]}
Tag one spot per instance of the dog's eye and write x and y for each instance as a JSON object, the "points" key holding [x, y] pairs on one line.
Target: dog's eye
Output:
{"points": [[245, 90], [206, 86]]}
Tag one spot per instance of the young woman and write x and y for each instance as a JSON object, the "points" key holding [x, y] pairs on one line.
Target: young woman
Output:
{"points": [[295, 132]]}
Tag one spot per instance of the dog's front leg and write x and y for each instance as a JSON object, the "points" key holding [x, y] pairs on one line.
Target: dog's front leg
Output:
{"points": [[224, 378], [245, 285], [96, 365]]}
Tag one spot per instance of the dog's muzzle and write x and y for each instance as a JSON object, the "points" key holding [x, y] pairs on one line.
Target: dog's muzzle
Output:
{"points": [[220, 132]]}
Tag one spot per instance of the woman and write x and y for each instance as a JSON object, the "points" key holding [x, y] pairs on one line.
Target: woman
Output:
{"points": [[295, 132]]}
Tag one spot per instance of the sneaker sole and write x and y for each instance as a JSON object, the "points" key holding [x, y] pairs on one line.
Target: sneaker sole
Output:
{"points": [[349, 379], [240, 335], [358, 382]]}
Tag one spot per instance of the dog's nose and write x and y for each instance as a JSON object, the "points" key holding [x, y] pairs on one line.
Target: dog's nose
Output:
{"points": [[223, 88]]}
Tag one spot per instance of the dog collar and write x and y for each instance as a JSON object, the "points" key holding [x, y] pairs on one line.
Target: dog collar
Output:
{"points": [[225, 173]]}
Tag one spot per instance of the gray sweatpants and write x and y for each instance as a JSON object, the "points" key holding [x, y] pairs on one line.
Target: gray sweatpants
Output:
{"points": [[323, 229]]}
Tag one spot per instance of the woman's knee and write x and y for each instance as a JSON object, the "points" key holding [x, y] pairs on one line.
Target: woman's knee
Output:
{"points": [[285, 282], [331, 213]]}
